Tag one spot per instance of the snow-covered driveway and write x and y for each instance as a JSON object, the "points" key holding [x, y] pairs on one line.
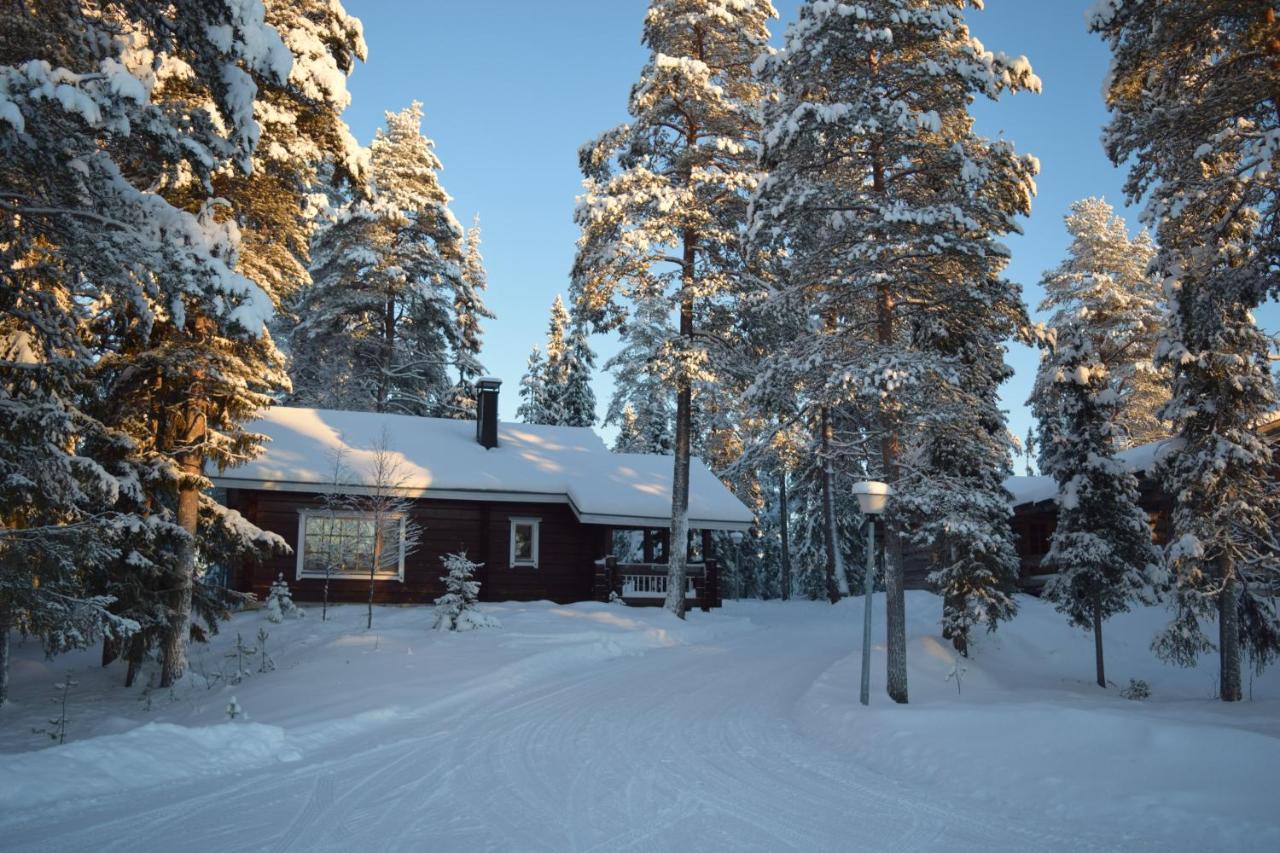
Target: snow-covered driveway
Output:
{"points": [[618, 731]]}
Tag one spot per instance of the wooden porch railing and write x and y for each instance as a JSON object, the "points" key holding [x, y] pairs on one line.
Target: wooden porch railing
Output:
{"points": [[647, 583]]}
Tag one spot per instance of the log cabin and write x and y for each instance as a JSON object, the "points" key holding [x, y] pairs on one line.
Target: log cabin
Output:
{"points": [[1035, 503], [536, 506]]}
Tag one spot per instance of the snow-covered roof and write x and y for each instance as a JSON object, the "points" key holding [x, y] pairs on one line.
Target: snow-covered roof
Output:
{"points": [[442, 459], [1027, 490]]}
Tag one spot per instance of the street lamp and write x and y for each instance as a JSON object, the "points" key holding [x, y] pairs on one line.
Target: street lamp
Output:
{"points": [[872, 496]]}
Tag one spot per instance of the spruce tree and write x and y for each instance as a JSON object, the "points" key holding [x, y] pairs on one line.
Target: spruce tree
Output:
{"points": [[556, 390], [470, 310], [378, 327], [117, 178], [533, 389], [888, 209], [1101, 551], [664, 209], [642, 405], [1192, 92], [1106, 275]]}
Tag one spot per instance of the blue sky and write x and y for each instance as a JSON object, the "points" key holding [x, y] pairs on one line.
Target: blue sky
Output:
{"points": [[511, 89]]}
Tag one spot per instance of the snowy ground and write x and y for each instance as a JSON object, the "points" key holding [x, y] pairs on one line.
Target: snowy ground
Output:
{"points": [[605, 728]]}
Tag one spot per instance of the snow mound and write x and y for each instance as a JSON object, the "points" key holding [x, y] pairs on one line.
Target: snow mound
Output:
{"points": [[150, 755]]}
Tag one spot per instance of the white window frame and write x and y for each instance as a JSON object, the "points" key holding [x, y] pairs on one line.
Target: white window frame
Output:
{"points": [[301, 573], [536, 524]]}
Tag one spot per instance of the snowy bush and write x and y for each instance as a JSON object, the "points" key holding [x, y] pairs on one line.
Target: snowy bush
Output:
{"points": [[280, 602], [1138, 690], [457, 609]]}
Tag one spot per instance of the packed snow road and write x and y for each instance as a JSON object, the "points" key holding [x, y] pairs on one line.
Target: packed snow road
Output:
{"points": [[625, 731]]}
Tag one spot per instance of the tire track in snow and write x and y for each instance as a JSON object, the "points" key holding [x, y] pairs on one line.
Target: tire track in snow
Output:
{"points": [[688, 747]]}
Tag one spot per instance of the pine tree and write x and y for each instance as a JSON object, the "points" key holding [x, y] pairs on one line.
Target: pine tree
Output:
{"points": [[642, 405], [664, 209], [577, 399], [1101, 550], [470, 310], [960, 457], [533, 389], [1192, 95], [458, 609], [1106, 275], [114, 181], [557, 389], [887, 208], [279, 602], [378, 329]]}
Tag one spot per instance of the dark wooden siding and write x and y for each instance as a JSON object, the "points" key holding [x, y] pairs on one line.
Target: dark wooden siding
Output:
{"points": [[567, 551]]}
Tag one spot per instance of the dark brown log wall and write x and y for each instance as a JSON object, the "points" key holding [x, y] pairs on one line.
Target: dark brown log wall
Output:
{"points": [[567, 551]]}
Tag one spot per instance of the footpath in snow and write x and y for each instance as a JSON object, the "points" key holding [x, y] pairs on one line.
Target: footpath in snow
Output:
{"points": [[593, 727]]}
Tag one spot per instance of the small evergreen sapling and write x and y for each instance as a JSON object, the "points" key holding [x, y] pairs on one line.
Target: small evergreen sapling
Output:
{"points": [[280, 602], [58, 724], [241, 654], [457, 609], [265, 663]]}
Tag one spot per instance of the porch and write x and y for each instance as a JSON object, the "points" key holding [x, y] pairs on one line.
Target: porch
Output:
{"points": [[646, 584]]}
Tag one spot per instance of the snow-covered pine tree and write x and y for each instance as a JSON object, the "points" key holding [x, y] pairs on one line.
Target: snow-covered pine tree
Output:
{"points": [[299, 128], [54, 531], [1101, 551], [1192, 92], [459, 608], [533, 389], [959, 457], [642, 405], [557, 389], [874, 165], [1106, 274], [300, 131], [665, 201], [114, 173], [279, 603], [470, 310], [577, 399], [377, 329]]}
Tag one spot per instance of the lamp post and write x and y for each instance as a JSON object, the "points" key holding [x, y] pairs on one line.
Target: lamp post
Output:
{"points": [[737, 537], [872, 497]]}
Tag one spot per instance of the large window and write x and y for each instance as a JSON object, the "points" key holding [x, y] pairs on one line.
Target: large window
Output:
{"points": [[342, 545], [524, 542]]}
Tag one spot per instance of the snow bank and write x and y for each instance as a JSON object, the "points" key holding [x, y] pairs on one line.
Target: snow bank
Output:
{"points": [[1027, 730], [150, 755]]}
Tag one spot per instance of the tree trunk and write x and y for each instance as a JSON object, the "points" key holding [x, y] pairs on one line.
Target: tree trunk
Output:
{"points": [[4, 654], [1230, 687], [388, 353], [784, 522], [895, 617], [829, 509], [1097, 638], [676, 555], [110, 650], [137, 648], [373, 567], [190, 471], [894, 583]]}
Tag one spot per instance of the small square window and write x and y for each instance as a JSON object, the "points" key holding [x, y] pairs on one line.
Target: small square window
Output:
{"points": [[524, 542]]}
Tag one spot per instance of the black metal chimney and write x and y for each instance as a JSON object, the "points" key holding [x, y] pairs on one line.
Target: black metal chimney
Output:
{"points": [[487, 412]]}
